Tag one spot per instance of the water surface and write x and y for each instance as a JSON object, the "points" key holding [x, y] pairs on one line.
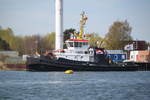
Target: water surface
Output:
{"points": [[22, 85]]}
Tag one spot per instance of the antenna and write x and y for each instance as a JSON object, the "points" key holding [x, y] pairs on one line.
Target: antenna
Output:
{"points": [[83, 21]]}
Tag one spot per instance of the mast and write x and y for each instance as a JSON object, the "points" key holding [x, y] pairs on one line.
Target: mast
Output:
{"points": [[59, 24], [82, 24]]}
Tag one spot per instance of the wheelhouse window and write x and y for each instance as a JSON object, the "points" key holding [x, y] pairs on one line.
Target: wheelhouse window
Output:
{"points": [[85, 43], [80, 44], [76, 44], [71, 44]]}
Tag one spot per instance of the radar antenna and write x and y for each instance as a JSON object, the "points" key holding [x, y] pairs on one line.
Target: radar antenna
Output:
{"points": [[83, 21]]}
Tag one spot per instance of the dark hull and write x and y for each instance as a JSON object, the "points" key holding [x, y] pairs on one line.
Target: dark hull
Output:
{"points": [[48, 67], [36, 65]]}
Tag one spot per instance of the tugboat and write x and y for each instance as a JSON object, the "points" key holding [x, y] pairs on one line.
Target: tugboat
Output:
{"points": [[78, 56]]}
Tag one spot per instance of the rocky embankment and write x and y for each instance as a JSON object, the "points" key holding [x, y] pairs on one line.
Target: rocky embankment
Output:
{"points": [[16, 67], [2, 66]]}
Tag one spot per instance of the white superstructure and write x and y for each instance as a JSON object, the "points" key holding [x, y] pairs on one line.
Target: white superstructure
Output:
{"points": [[77, 50]]}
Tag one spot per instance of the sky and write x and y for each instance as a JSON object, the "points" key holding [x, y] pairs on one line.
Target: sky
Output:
{"points": [[28, 17]]}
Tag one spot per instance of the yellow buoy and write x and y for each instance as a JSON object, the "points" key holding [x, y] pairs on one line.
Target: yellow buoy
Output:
{"points": [[69, 72]]}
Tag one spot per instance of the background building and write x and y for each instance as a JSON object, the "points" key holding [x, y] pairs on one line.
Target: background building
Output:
{"points": [[140, 56], [117, 55]]}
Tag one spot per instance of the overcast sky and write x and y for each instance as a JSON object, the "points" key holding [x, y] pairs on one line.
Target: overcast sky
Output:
{"points": [[28, 17]]}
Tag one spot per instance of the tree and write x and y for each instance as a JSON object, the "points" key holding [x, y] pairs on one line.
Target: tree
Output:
{"points": [[118, 35], [4, 45], [95, 40], [31, 44], [18, 45], [8, 36], [48, 41], [68, 33]]}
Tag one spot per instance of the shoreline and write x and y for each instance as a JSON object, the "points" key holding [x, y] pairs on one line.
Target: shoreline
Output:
{"points": [[5, 68], [13, 67]]}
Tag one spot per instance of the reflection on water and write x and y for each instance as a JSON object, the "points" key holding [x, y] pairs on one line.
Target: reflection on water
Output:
{"points": [[19, 85]]}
